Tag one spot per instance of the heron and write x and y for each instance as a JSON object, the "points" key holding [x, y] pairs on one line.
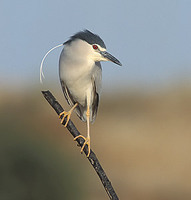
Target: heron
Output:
{"points": [[80, 74]]}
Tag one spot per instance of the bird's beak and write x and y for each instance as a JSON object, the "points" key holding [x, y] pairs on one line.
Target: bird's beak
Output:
{"points": [[109, 57]]}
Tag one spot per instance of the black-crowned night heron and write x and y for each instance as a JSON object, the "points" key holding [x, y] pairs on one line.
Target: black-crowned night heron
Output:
{"points": [[80, 76]]}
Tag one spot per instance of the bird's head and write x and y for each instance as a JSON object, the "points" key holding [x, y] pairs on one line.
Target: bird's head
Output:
{"points": [[87, 44]]}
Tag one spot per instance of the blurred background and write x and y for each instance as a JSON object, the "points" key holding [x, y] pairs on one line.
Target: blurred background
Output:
{"points": [[142, 134]]}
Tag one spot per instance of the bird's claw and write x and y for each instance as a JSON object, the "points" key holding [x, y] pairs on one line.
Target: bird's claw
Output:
{"points": [[66, 114], [87, 141]]}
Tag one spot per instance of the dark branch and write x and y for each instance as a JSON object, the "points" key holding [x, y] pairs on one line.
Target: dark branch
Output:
{"points": [[92, 158]]}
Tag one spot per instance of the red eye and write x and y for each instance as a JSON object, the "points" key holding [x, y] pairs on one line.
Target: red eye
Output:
{"points": [[95, 47]]}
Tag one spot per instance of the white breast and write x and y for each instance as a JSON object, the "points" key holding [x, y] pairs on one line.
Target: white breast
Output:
{"points": [[76, 70]]}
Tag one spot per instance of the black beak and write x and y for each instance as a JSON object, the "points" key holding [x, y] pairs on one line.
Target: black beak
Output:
{"points": [[111, 58]]}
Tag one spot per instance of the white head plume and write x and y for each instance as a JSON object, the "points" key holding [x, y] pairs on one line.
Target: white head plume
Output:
{"points": [[41, 65]]}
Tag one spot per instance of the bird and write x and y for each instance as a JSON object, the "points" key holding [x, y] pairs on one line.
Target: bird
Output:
{"points": [[80, 74]]}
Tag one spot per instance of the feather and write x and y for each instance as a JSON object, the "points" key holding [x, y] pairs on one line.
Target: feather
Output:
{"points": [[96, 82], [79, 108], [96, 89]]}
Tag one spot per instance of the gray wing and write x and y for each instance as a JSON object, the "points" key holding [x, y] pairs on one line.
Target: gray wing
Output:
{"points": [[96, 82]]}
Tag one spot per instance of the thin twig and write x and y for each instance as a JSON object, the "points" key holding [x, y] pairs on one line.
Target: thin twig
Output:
{"points": [[92, 157]]}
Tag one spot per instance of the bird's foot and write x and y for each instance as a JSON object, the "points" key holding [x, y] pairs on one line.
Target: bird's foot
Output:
{"points": [[87, 141], [65, 114]]}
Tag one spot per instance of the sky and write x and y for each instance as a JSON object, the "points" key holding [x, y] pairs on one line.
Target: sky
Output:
{"points": [[151, 38]]}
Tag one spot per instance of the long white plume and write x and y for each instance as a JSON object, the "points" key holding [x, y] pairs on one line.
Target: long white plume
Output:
{"points": [[41, 65]]}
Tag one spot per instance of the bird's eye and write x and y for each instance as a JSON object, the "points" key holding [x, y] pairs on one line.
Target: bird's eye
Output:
{"points": [[95, 47]]}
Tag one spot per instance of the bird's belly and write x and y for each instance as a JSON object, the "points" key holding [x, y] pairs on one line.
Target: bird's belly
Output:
{"points": [[79, 90], [79, 85], [77, 80]]}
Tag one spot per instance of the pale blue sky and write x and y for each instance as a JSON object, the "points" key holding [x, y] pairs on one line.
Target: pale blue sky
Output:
{"points": [[152, 38]]}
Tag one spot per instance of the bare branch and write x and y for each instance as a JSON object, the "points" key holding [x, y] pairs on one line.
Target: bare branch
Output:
{"points": [[92, 158]]}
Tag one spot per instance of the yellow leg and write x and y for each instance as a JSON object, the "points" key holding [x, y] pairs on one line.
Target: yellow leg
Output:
{"points": [[67, 114], [87, 139]]}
